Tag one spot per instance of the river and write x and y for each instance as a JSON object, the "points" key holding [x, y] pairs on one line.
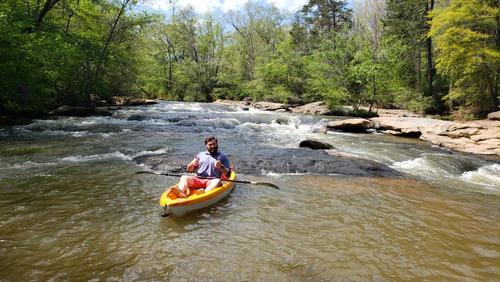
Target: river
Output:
{"points": [[72, 207]]}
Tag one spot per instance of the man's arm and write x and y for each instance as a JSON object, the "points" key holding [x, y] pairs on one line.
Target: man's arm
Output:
{"points": [[224, 166], [193, 164]]}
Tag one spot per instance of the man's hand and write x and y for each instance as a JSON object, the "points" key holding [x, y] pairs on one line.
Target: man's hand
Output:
{"points": [[224, 170], [219, 165], [192, 165]]}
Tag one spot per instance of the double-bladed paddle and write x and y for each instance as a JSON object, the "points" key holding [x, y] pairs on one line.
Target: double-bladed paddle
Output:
{"points": [[236, 181]]}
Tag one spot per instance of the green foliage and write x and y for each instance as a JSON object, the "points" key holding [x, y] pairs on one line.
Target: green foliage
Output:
{"points": [[50, 57], [353, 72], [282, 74], [468, 52], [319, 19], [381, 59], [411, 100]]}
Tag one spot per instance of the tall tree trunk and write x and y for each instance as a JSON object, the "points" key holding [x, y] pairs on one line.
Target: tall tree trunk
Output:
{"points": [[49, 4], [418, 61], [170, 80], [496, 81], [66, 30], [106, 46], [40, 15], [430, 91]]}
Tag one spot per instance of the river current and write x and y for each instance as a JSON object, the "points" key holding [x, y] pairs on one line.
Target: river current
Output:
{"points": [[72, 207]]}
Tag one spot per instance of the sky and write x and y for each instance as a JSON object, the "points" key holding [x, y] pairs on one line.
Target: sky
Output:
{"points": [[202, 6]]}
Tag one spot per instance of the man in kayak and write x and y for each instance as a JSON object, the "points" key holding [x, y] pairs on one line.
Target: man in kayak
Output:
{"points": [[211, 166]]}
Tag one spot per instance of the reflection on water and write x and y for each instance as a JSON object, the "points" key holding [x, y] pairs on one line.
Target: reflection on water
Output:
{"points": [[71, 208]]}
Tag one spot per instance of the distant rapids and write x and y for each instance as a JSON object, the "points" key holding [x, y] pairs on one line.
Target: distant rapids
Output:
{"points": [[179, 128]]}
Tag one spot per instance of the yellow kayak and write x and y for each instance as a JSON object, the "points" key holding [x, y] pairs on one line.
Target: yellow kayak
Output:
{"points": [[181, 206]]}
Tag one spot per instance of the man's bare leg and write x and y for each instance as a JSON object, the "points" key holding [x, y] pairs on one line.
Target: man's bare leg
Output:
{"points": [[213, 184]]}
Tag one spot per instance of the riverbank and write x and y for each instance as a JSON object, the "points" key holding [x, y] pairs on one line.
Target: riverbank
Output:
{"points": [[480, 137], [97, 107]]}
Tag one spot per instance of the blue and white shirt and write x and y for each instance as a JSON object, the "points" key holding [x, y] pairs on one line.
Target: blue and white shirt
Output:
{"points": [[206, 165]]}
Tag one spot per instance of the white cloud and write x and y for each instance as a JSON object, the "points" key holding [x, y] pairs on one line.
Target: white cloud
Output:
{"points": [[202, 6], [289, 5]]}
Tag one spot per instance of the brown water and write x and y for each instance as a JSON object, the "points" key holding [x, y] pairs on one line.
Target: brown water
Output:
{"points": [[71, 208]]}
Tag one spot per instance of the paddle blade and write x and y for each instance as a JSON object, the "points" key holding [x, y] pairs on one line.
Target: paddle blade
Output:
{"points": [[266, 184], [145, 172]]}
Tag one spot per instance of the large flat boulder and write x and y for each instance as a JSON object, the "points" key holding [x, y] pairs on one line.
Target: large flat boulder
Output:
{"points": [[269, 106], [494, 116], [350, 125], [316, 108], [487, 133], [411, 125], [477, 137], [281, 160]]}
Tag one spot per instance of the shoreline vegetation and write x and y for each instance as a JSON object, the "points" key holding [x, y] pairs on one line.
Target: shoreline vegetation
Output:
{"points": [[425, 56], [439, 58]]}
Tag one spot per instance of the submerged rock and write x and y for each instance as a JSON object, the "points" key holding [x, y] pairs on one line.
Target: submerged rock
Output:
{"points": [[282, 161], [80, 111]]}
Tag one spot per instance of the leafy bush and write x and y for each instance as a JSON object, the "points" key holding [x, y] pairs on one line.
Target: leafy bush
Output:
{"points": [[412, 101]]}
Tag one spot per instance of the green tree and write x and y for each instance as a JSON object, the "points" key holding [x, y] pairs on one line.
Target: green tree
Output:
{"points": [[320, 18], [58, 52], [281, 79], [189, 51], [257, 32], [467, 44], [409, 21]]}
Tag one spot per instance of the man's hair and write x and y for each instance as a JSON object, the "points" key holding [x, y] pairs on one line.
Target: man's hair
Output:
{"points": [[211, 138]]}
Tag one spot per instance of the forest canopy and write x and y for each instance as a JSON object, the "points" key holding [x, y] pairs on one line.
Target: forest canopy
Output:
{"points": [[428, 56]]}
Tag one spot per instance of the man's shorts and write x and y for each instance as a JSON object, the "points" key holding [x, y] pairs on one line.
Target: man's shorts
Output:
{"points": [[198, 183]]}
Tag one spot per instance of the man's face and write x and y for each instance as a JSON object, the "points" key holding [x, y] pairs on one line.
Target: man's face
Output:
{"points": [[212, 146]]}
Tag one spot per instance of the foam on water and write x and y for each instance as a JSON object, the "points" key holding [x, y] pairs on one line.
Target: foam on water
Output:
{"points": [[80, 158], [421, 166], [115, 155], [29, 165], [487, 176], [437, 167], [150, 153], [267, 128], [277, 175]]}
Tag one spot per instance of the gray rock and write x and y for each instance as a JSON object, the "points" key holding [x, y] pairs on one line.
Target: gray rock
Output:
{"points": [[494, 116], [316, 108], [129, 101], [282, 161], [350, 125], [140, 102], [79, 111], [96, 100], [120, 100], [411, 126], [315, 145], [269, 106]]}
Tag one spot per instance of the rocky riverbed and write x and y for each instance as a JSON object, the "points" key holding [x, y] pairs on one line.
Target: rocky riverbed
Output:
{"points": [[480, 137], [285, 160]]}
